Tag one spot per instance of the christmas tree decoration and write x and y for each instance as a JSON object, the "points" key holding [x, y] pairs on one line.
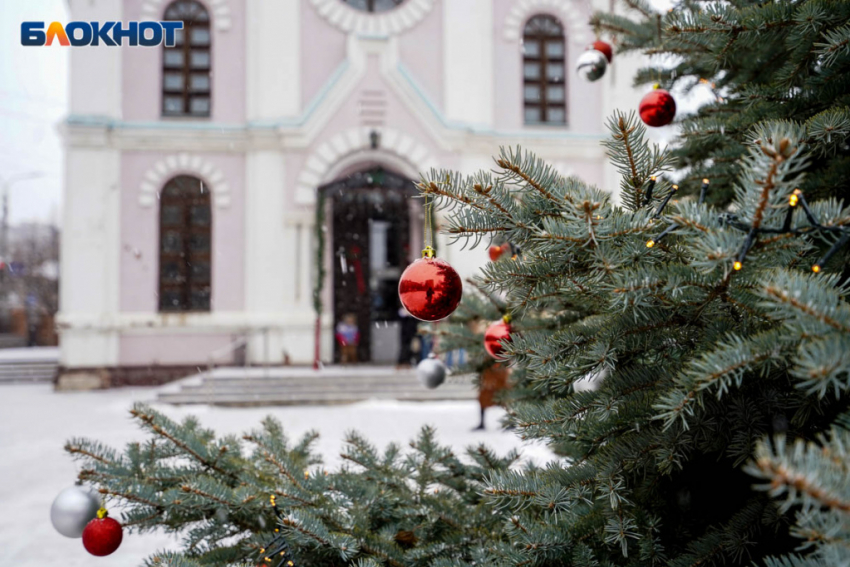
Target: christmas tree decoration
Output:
{"points": [[591, 65], [431, 371], [604, 48], [429, 288], [497, 252], [277, 553], [657, 108], [497, 334], [73, 509], [102, 535]]}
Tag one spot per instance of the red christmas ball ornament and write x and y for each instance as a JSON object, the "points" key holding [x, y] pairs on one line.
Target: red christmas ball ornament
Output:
{"points": [[102, 535], [430, 289], [497, 251], [495, 335], [604, 48], [657, 108]]}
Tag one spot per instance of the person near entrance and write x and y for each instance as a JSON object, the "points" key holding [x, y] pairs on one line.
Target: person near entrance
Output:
{"points": [[348, 336]]}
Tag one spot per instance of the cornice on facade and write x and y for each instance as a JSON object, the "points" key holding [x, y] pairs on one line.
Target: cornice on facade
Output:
{"points": [[381, 24]]}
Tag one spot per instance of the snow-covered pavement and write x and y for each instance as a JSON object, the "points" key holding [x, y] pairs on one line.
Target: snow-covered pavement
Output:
{"points": [[35, 422]]}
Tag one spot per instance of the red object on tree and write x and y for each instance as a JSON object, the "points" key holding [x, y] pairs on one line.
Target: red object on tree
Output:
{"points": [[102, 535], [430, 289], [495, 335], [497, 251], [657, 108], [604, 48]]}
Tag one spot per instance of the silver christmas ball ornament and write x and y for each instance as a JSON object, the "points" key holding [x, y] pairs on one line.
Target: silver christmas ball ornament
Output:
{"points": [[73, 509], [431, 372], [591, 65]]}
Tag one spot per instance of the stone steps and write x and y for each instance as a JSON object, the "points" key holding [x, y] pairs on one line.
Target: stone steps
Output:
{"points": [[304, 386]]}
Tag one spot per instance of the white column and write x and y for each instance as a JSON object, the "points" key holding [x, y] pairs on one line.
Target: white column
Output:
{"points": [[90, 253], [95, 74], [269, 254], [273, 65], [468, 61]]}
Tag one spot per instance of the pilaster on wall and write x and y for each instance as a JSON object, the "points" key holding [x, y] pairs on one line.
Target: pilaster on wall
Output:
{"points": [[273, 66], [95, 74], [269, 254], [468, 61], [90, 254]]}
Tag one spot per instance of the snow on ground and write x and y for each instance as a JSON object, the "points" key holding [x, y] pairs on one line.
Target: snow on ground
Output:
{"points": [[35, 422]]}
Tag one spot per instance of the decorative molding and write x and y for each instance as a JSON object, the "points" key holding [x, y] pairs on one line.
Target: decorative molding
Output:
{"points": [[175, 164], [351, 145], [568, 11], [391, 22], [222, 20]]}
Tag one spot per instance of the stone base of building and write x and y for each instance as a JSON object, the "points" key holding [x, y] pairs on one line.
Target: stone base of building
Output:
{"points": [[69, 379]]}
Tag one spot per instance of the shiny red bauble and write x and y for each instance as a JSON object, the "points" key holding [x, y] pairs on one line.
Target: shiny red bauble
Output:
{"points": [[604, 48], [102, 536], [657, 108], [495, 335], [430, 289], [497, 251]]}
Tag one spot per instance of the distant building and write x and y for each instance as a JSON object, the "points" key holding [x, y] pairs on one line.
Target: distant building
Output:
{"points": [[194, 172]]}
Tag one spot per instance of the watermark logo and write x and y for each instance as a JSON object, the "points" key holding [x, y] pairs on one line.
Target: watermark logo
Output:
{"points": [[145, 34]]}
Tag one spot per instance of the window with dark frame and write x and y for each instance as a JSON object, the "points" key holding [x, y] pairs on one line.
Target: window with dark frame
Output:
{"points": [[373, 5], [185, 246], [186, 81], [543, 69]]}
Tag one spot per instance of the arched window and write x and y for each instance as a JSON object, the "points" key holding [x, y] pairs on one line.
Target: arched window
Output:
{"points": [[544, 86], [186, 85], [373, 5], [185, 223]]}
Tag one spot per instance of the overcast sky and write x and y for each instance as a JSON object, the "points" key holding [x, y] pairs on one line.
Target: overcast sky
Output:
{"points": [[33, 99]]}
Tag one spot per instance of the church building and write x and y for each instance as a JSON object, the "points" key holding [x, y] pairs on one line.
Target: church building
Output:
{"points": [[218, 190]]}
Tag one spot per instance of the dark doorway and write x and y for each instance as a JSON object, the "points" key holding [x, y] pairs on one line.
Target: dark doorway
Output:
{"points": [[370, 248]]}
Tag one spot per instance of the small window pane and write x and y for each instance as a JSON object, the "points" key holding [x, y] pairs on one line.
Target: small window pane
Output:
{"points": [[555, 72], [199, 243], [200, 36], [173, 82], [200, 105], [172, 242], [171, 272], [555, 94], [200, 215], [532, 115], [200, 271], [178, 37], [172, 215], [173, 58], [531, 70], [200, 300], [169, 300], [555, 115], [200, 83], [555, 49], [173, 104], [532, 93], [531, 48], [200, 59]]}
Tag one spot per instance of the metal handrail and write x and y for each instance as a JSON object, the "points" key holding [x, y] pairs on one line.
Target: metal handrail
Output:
{"points": [[226, 349]]}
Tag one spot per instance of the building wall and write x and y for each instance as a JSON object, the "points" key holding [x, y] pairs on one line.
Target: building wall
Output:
{"points": [[297, 88]]}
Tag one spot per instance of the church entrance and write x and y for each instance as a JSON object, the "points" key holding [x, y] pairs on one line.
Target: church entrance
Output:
{"points": [[370, 221]]}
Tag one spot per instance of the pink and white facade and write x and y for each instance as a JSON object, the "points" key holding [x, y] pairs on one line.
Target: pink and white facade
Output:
{"points": [[443, 84]]}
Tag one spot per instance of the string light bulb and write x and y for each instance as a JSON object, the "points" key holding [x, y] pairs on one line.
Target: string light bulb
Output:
{"points": [[793, 199], [816, 269], [737, 265], [650, 243]]}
